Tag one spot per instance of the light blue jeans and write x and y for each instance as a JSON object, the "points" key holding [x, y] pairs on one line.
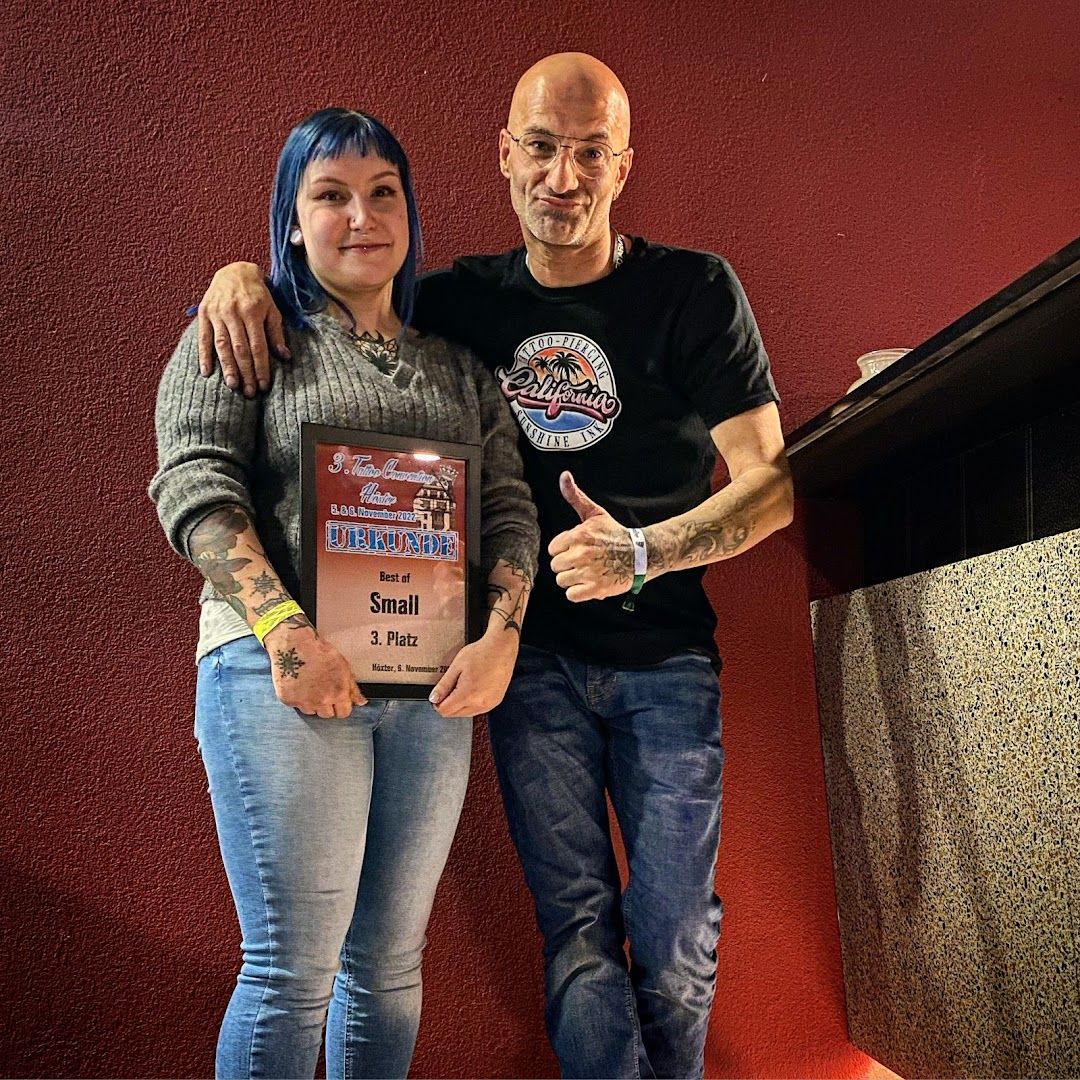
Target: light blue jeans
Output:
{"points": [[334, 834]]}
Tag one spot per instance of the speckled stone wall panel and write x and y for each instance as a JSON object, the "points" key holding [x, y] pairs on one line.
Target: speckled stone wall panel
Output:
{"points": [[948, 704], [1059, 558]]}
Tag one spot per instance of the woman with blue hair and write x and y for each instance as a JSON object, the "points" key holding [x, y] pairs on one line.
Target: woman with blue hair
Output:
{"points": [[334, 813]]}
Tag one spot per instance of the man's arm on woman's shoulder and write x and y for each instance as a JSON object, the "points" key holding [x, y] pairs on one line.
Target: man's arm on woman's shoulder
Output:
{"points": [[239, 327]]}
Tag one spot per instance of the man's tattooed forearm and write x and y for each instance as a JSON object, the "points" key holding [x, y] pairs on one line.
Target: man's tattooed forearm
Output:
{"points": [[697, 542], [707, 541], [288, 663]]}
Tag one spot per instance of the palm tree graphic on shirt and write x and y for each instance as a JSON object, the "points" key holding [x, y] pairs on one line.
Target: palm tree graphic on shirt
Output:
{"points": [[564, 365]]}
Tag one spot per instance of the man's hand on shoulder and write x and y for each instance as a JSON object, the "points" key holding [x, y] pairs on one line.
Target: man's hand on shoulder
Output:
{"points": [[239, 326]]}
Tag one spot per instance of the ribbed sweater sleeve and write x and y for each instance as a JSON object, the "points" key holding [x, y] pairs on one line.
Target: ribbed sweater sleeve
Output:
{"points": [[206, 445], [508, 528]]}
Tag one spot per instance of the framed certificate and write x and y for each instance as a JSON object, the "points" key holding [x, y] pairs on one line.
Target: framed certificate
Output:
{"points": [[390, 553]]}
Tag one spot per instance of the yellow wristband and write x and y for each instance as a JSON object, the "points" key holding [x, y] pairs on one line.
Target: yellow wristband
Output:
{"points": [[285, 610]]}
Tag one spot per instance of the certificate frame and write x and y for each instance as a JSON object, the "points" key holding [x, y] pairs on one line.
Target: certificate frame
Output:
{"points": [[381, 547]]}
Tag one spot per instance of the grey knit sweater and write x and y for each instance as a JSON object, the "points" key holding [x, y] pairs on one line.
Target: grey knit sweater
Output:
{"points": [[217, 448]]}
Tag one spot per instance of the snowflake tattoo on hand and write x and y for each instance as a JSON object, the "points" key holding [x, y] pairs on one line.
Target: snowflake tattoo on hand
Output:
{"points": [[289, 664], [263, 584]]}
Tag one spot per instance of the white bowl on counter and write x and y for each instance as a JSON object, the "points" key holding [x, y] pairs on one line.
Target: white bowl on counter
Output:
{"points": [[872, 362]]}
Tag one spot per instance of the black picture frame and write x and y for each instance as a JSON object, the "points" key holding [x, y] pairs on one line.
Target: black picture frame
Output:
{"points": [[356, 441]]}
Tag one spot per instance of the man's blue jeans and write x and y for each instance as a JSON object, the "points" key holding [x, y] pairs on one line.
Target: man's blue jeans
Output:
{"points": [[334, 834], [566, 732]]}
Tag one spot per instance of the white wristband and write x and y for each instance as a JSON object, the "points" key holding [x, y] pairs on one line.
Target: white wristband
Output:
{"points": [[641, 559]]}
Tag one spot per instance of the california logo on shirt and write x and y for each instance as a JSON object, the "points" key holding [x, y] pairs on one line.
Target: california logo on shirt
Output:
{"points": [[561, 390]]}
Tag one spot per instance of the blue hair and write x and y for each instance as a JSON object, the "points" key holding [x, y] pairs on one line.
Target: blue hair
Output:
{"points": [[329, 133]]}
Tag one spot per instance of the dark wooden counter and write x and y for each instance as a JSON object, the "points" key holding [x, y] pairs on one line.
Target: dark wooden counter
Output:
{"points": [[968, 444]]}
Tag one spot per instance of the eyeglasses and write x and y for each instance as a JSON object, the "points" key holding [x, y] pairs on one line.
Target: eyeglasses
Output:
{"points": [[591, 158]]}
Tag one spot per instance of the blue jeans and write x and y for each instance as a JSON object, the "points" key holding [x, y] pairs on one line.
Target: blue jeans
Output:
{"points": [[567, 732], [334, 834]]}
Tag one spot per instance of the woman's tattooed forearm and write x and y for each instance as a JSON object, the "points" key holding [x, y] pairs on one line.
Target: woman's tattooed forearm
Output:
{"points": [[519, 570], [507, 606], [294, 621], [265, 584], [211, 543], [217, 533], [221, 550], [268, 605], [507, 601]]}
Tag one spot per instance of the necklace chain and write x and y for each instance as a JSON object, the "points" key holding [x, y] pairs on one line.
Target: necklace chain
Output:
{"points": [[618, 254]]}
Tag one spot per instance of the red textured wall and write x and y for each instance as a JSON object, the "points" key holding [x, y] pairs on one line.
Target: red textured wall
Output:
{"points": [[870, 175]]}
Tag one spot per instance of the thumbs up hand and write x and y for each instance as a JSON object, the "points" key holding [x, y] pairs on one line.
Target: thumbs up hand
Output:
{"points": [[595, 558]]}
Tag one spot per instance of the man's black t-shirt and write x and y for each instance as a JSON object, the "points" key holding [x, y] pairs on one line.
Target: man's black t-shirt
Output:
{"points": [[618, 381]]}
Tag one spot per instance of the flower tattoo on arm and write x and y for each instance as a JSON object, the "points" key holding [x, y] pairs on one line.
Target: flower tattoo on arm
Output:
{"points": [[211, 544], [221, 545]]}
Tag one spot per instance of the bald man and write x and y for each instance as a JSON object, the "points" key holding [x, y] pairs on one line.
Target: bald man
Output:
{"points": [[628, 365]]}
